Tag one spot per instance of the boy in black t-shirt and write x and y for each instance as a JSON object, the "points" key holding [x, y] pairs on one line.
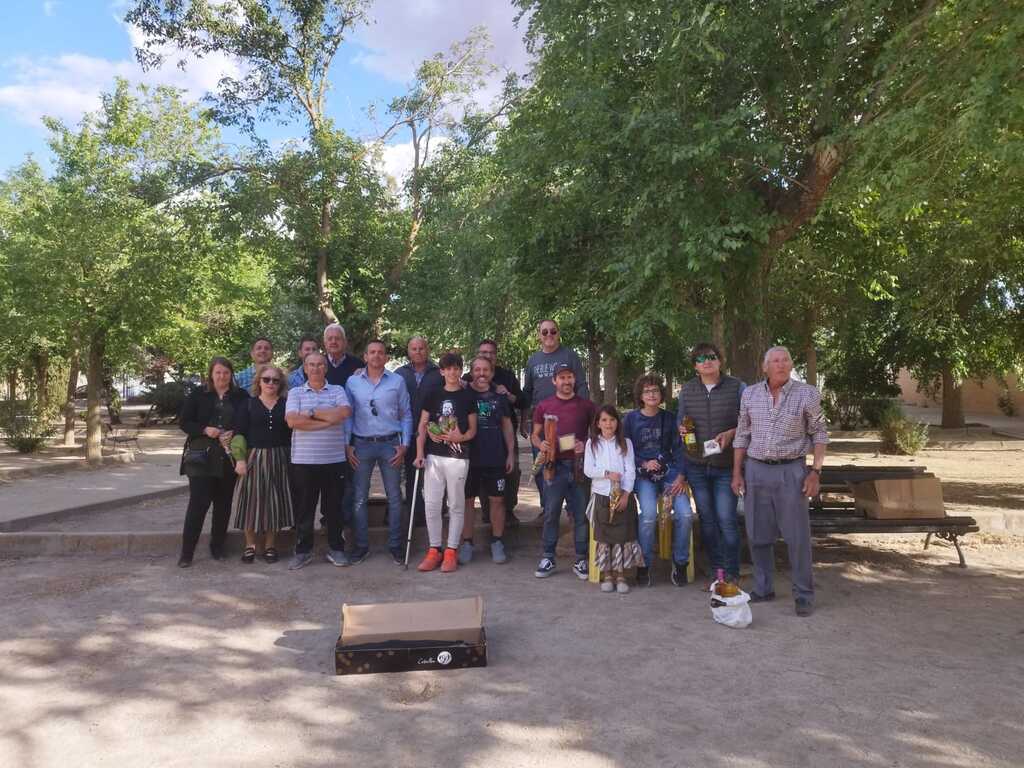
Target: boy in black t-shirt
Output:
{"points": [[491, 459], [447, 424]]}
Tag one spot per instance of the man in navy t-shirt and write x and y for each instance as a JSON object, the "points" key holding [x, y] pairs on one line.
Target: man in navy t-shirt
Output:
{"points": [[491, 458]]}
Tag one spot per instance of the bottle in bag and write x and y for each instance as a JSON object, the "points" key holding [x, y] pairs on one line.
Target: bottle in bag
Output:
{"points": [[664, 527], [688, 433], [724, 588]]}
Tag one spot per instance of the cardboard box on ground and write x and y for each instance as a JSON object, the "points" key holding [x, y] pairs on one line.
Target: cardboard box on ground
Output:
{"points": [[398, 637], [900, 499]]}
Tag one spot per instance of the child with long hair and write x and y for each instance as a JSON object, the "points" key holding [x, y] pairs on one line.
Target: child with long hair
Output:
{"points": [[608, 461]]}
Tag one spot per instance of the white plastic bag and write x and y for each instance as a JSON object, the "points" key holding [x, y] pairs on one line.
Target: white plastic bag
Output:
{"points": [[731, 611]]}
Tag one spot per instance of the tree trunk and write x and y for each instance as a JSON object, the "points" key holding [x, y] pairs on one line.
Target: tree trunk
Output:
{"points": [[952, 400], [593, 365], [69, 404], [668, 385], [93, 426], [611, 378], [41, 367], [12, 384], [718, 328], [810, 352], [748, 332], [323, 296]]}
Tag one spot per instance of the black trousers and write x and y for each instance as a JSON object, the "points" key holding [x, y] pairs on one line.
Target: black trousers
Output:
{"points": [[203, 491], [324, 483]]}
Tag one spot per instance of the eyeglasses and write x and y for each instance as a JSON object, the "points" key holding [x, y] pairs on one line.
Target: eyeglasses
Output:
{"points": [[269, 380], [652, 391], [373, 408], [706, 358], [549, 332]]}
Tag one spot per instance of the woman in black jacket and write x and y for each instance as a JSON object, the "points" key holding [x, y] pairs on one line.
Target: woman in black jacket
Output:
{"points": [[208, 417]]}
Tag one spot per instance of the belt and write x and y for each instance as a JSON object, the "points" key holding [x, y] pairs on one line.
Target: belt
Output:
{"points": [[379, 438], [774, 462]]}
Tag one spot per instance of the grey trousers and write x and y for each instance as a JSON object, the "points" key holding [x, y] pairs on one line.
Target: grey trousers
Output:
{"points": [[775, 505]]}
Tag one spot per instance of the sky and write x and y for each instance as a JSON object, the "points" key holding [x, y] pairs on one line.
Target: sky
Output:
{"points": [[58, 56]]}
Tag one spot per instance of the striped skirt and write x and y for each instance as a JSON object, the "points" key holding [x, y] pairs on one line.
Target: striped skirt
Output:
{"points": [[263, 497]]}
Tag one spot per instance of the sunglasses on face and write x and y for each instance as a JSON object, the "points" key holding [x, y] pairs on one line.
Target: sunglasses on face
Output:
{"points": [[549, 332], [373, 408], [706, 358], [269, 380]]}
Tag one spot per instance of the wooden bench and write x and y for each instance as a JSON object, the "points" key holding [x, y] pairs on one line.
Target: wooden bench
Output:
{"points": [[841, 516]]}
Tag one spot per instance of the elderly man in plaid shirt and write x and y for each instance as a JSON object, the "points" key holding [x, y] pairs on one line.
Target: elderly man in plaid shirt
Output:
{"points": [[780, 422]]}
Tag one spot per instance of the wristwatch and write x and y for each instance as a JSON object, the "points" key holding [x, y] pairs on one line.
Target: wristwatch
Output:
{"points": [[816, 470]]}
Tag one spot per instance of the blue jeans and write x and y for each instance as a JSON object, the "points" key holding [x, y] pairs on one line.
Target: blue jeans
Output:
{"points": [[716, 505], [565, 488], [379, 454], [647, 494]]}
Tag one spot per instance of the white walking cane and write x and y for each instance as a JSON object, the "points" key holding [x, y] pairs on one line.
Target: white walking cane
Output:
{"points": [[412, 515]]}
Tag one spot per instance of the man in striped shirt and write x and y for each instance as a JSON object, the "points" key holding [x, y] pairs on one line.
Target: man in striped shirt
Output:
{"points": [[318, 414], [780, 422]]}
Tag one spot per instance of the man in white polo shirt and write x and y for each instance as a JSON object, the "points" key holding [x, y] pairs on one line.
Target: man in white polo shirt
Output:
{"points": [[318, 414]]}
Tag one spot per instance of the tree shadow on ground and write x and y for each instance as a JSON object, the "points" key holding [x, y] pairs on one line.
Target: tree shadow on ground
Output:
{"points": [[131, 661]]}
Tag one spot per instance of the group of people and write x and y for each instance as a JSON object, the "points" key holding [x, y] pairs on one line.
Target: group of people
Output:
{"points": [[266, 448]]}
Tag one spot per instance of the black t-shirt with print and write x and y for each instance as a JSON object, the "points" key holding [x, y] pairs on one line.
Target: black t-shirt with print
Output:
{"points": [[489, 448], [441, 404]]}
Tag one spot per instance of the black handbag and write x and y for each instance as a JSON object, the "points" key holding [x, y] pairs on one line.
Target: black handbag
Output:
{"points": [[199, 457]]}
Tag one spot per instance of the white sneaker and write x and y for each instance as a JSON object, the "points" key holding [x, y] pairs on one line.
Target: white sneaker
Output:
{"points": [[498, 552], [621, 586], [607, 586]]}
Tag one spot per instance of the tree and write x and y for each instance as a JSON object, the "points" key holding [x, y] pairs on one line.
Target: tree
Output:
{"points": [[287, 48], [706, 136], [114, 246]]}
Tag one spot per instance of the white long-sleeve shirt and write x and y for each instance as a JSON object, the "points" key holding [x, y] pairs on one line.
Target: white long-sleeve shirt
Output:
{"points": [[608, 458]]}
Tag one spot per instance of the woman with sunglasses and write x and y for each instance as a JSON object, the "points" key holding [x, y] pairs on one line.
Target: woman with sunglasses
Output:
{"points": [[263, 499], [712, 400]]}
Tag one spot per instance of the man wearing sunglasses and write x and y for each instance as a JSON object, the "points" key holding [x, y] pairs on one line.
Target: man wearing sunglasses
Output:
{"points": [[381, 434], [540, 382], [712, 400]]}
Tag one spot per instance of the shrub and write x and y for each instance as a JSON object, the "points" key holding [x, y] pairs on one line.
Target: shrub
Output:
{"points": [[167, 398], [25, 430], [841, 410], [903, 437]]}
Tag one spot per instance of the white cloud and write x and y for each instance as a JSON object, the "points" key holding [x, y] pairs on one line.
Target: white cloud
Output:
{"points": [[405, 32], [68, 85], [394, 161], [50, 7]]}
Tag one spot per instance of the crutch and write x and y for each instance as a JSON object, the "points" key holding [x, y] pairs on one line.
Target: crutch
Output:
{"points": [[412, 515]]}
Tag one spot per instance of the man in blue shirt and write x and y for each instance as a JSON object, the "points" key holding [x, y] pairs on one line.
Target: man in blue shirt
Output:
{"points": [[381, 433], [262, 352], [307, 345]]}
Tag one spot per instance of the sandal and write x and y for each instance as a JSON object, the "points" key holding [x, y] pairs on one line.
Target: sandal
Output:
{"points": [[270, 555], [249, 554]]}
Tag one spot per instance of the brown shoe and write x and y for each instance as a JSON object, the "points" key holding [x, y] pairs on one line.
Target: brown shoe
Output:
{"points": [[451, 560], [431, 561]]}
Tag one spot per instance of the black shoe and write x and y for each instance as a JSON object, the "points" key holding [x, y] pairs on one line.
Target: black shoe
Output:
{"points": [[756, 598], [184, 562], [358, 556], [679, 574], [804, 607], [216, 554], [644, 577], [398, 556]]}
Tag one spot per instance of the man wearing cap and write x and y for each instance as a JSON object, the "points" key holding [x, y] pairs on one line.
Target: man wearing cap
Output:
{"points": [[575, 415], [780, 421]]}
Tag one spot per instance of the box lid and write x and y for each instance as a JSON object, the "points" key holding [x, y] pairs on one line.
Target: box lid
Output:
{"points": [[443, 620]]}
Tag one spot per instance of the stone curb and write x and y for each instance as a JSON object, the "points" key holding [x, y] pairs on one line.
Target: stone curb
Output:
{"points": [[21, 523], [77, 465]]}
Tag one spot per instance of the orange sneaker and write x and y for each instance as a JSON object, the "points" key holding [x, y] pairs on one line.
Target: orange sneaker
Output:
{"points": [[451, 560], [431, 561]]}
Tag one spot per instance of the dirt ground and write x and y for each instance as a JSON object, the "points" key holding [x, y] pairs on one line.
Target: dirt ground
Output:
{"points": [[908, 661]]}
